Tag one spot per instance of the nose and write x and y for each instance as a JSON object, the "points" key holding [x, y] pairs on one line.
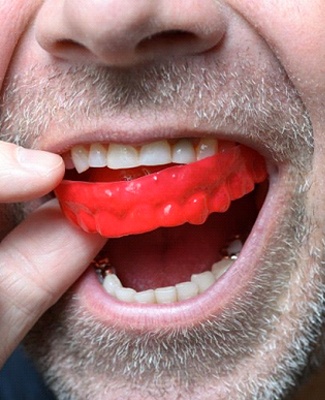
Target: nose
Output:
{"points": [[128, 32]]}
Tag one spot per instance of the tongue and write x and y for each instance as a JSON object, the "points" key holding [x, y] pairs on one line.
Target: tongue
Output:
{"points": [[168, 256]]}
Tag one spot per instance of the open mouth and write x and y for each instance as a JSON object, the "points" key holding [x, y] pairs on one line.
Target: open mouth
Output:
{"points": [[177, 213]]}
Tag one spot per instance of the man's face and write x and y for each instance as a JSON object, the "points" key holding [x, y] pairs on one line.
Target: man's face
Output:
{"points": [[248, 75]]}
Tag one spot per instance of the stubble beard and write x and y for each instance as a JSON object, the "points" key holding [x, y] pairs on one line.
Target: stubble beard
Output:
{"points": [[260, 345], [258, 348]]}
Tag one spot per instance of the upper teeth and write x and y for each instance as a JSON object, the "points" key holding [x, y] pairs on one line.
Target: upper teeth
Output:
{"points": [[118, 156]]}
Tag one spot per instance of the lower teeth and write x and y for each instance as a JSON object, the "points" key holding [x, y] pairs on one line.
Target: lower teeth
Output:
{"points": [[198, 284]]}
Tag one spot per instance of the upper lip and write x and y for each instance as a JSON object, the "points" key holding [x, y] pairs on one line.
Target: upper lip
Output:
{"points": [[141, 136]]}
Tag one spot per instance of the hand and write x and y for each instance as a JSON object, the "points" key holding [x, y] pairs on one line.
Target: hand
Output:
{"points": [[43, 256]]}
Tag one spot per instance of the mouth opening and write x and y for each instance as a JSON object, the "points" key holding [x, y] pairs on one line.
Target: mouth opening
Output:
{"points": [[181, 259], [181, 262]]}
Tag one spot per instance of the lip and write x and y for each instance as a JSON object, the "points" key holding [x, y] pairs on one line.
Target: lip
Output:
{"points": [[145, 131], [233, 284]]}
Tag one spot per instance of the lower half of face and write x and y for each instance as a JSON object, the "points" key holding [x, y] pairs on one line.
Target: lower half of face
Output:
{"points": [[227, 308], [211, 283]]}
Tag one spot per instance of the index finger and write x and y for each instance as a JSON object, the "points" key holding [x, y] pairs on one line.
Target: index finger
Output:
{"points": [[39, 260]]}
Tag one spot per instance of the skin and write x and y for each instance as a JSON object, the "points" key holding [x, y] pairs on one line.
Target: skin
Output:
{"points": [[283, 44]]}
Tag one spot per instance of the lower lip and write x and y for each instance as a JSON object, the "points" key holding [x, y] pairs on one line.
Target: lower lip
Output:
{"points": [[234, 283]]}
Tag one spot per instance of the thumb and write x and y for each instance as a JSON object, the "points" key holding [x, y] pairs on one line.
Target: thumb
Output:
{"points": [[27, 174]]}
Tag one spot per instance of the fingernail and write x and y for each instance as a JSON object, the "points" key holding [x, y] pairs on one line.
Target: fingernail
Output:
{"points": [[38, 161]]}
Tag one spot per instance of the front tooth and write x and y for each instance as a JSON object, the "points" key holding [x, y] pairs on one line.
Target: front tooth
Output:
{"points": [[206, 148], [186, 290], [166, 295], [220, 267], [183, 152], [157, 153], [122, 156], [111, 283], [125, 294], [145, 297], [203, 280], [79, 157], [97, 156]]}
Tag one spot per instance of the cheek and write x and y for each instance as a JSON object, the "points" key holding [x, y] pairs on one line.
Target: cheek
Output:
{"points": [[295, 32], [15, 16]]}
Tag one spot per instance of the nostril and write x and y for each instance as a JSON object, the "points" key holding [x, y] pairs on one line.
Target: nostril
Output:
{"points": [[165, 39], [161, 44], [63, 47], [171, 34], [67, 44]]}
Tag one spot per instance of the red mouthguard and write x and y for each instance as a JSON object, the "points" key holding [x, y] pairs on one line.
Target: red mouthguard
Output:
{"points": [[170, 197]]}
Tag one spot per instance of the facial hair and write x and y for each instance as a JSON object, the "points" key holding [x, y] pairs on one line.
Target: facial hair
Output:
{"points": [[222, 357]]}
